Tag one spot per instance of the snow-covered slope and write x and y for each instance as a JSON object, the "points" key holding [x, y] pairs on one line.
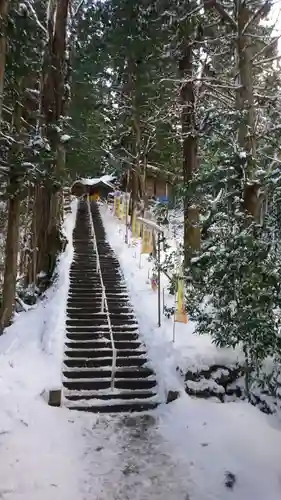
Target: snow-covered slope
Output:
{"points": [[187, 450], [213, 438]]}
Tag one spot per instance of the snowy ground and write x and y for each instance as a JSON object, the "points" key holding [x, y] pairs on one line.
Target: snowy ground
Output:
{"points": [[180, 452], [212, 437], [188, 351]]}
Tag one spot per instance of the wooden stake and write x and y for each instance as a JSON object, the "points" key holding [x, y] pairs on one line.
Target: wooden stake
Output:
{"points": [[159, 277]]}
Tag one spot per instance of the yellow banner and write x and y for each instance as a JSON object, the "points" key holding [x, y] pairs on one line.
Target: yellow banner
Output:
{"points": [[181, 317], [121, 210], [138, 229], [94, 197], [147, 241], [154, 282], [180, 314], [126, 206], [134, 224], [117, 207]]}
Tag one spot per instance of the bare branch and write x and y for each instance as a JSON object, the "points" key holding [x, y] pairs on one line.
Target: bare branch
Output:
{"points": [[73, 14], [35, 17], [259, 14], [264, 49], [215, 4], [270, 59]]}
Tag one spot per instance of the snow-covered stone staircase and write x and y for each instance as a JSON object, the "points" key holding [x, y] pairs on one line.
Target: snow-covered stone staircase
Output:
{"points": [[95, 338]]}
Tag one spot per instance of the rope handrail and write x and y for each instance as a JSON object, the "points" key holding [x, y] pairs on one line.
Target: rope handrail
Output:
{"points": [[104, 304]]}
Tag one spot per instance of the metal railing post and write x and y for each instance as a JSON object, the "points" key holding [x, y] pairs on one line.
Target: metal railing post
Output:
{"points": [[102, 300], [104, 304]]}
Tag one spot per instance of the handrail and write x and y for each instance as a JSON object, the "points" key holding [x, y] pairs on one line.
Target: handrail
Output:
{"points": [[104, 304]]}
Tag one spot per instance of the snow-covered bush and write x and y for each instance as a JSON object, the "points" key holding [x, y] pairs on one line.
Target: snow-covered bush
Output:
{"points": [[237, 279]]}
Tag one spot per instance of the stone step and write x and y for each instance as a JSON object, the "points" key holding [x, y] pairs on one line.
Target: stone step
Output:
{"points": [[80, 250], [94, 287], [85, 284], [95, 278], [85, 315], [116, 408], [80, 270], [90, 273], [86, 249], [119, 309], [80, 255], [110, 297], [79, 266], [95, 307], [132, 361], [92, 267], [89, 277], [82, 238], [100, 319], [103, 353], [87, 323], [101, 384], [128, 395], [92, 276], [91, 306], [96, 283], [103, 329], [122, 336], [102, 344], [82, 294], [88, 350], [105, 372], [98, 315], [97, 290], [104, 253], [95, 318], [88, 302]]}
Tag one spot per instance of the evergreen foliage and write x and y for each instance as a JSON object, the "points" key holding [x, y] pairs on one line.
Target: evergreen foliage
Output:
{"points": [[192, 88]]}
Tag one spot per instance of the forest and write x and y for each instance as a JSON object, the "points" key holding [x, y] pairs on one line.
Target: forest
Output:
{"points": [[192, 87]]}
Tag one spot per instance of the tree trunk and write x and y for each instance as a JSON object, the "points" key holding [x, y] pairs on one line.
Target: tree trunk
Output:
{"points": [[245, 95], [136, 136], [245, 104], [53, 100], [189, 135], [26, 232], [11, 257], [12, 238], [4, 7]]}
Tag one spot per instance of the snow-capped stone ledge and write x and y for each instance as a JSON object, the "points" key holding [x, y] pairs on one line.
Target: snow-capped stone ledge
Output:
{"points": [[227, 384], [214, 381]]}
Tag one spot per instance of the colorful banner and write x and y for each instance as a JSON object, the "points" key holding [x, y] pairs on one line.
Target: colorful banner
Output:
{"points": [[121, 209], [117, 206], [147, 241], [95, 197], [154, 282], [126, 203], [180, 314], [134, 224]]}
